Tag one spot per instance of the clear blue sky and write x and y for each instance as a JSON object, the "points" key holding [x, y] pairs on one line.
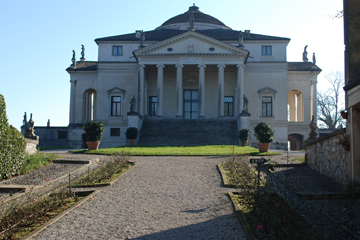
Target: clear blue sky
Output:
{"points": [[38, 36]]}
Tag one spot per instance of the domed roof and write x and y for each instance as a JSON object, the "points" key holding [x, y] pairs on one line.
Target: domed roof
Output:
{"points": [[179, 21]]}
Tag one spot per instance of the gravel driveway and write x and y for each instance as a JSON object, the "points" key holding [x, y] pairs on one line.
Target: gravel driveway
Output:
{"points": [[161, 198]]}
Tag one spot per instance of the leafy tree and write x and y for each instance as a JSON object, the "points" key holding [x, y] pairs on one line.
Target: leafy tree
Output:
{"points": [[329, 102]]}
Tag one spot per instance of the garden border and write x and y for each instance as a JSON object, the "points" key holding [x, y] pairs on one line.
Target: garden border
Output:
{"points": [[60, 216], [241, 217], [106, 184]]}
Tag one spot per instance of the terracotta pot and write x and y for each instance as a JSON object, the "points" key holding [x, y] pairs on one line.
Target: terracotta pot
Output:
{"points": [[346, 147], [243, 143], [263, 147], [344, 115], [93, 145], [132, 142]]}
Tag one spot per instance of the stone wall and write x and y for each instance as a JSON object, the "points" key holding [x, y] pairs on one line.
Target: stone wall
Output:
{"points": [[52, 136], [326, 156]]}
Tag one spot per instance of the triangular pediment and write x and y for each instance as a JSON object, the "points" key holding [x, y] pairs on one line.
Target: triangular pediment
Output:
{"points": [[190, 43]]}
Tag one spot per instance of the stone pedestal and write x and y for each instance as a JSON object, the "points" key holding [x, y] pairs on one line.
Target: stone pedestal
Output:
{"points": [[135, 120]]}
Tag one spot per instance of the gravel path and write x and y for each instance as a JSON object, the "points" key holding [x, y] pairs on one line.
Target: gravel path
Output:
{"points": [[161, 198]]}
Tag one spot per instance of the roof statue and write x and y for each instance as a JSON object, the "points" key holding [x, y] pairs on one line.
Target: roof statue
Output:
{"points": [[82, 53], [191, 21], [314, 59], [142, 39], [305, 53], [241, 39], [73, 60]]}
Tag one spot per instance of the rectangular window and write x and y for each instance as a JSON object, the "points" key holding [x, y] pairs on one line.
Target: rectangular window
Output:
{"points": [[117, 51], [115, 106], [228, 106], [266, 106], [266, 50], [152, 106], [62, 134], [114, 132]]}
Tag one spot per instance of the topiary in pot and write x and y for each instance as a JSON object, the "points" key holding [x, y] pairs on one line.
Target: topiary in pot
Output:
{"points": [[93, 133], [244, 136], [265, 135], [131, 134]]}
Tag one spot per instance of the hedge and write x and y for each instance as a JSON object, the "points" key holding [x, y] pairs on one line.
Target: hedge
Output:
{"points": [[12, 145]]}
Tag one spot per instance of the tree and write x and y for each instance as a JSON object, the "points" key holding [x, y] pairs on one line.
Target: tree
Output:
{"points": [[329, 102]]}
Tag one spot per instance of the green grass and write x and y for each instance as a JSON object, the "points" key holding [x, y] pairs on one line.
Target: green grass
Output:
{"points": [[53, 147], [210, 150], [36, 161], [300, 159]]}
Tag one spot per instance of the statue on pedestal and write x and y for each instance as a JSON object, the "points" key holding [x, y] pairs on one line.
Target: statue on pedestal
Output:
{"points": [[132, 104], [313, 127], [30, 129], [245, 105]]}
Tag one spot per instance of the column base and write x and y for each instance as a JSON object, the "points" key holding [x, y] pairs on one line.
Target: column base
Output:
{"points": [[179, 117], [159, 116], [201, 117], [220, 117]]}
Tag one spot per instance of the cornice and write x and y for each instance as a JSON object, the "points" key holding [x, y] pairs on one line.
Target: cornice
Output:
{"points": [[303, 72], [194, 55], [83, 72], [142, 51]]}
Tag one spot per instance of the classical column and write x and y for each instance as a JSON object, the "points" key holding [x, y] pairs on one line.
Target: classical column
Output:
{"points": [[72, 102], [141, 98], [221, 90], [240, 88], [179, 91], [202, 90], [160, 89], [315, 101]]}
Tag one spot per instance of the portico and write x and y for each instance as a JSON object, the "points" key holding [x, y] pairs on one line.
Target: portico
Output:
{"points": [[187, 74]]}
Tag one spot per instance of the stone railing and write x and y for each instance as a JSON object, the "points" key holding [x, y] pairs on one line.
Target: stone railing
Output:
{"points": [[326, 156]]}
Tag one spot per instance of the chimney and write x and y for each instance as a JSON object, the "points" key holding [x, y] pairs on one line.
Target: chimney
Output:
{"points": [[247, 34]]}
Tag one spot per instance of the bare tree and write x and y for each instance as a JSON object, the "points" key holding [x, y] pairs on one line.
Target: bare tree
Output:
{"points": [[330, 102]]}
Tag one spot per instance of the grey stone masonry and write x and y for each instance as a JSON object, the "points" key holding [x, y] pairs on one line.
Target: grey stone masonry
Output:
{"points": [[326, 156], [183, 132]]}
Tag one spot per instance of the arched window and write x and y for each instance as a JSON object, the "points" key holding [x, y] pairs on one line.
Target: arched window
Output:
{"points": [[89, 105], [295, 106]]}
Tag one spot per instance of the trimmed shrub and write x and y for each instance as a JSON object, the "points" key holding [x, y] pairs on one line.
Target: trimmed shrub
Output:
{"points": [[264, 133], [94, 131], [12, 147], [132, 133]]}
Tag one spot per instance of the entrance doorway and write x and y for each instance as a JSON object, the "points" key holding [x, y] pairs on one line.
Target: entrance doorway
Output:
{"points": [[191, 104]]}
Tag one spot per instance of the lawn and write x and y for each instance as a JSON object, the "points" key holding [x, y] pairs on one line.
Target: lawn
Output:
{"points": [[209, 150]]}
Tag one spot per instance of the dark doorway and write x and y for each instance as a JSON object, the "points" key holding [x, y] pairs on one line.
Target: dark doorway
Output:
{"points": [[191, 104]]}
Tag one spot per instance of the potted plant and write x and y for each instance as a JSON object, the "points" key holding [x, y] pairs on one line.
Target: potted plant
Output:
{"points": [[93, 133], [244, 136], [344, 141], [265, 135], [131, 134], [344, 114]]}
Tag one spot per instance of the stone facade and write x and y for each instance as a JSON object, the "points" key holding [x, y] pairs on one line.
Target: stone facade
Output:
{"points": [[326, 156], [196, 70]]}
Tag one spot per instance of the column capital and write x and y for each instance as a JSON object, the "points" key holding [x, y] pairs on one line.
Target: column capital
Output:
{"points": [[160, 65], [141, 65], [240, 65], [221, 65], [179, 65], [202, 65]]}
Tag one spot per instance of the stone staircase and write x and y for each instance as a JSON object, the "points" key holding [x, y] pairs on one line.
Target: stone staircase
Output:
{"points": [[181, 132]]}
